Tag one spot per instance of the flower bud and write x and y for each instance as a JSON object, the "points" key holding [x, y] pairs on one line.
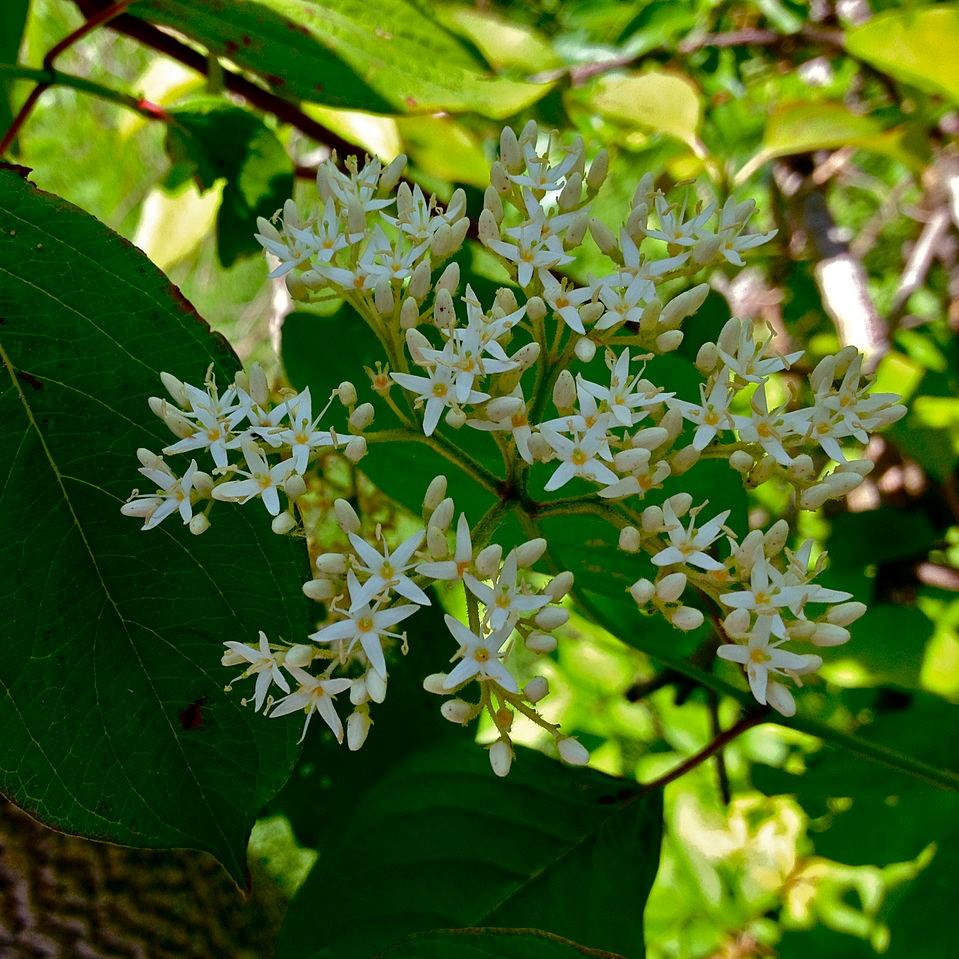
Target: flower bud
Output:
{"points": [[530, 552], [571, 193], [416, 343], [559, 586], [458, 233], [626, 461], [346, 393], [436, 544], [604, 238], [682, 306], [840, 484], [705, 249], [775, 538], [383, 298], [630, 539], [435, 493], [509, 150], [763, 470], [683, 460], [176, 388], [435, 683], [498, 180], [442, 516], [444, 313], [671, 587], [576, 231], [672, 422], [392, 173], [829, 634], [361, 417], [493, 203], [815, 496], [707, 358], [409, 314], [505, 300], [356, 449], [845, 613], [376, 685], [598, 170], [346, 516], [669, 341], [564, 391], [488, 560], [540, 643], [282, 524], [780, 698], [357, 728], [687, 618], [455, 418], [488, 228], [585, 349], [802, 467], [503, 407], [642, 591], [457, 711], [649, 438], [736, 623], [441, 243], [681, 503], [331, 564], [526, 356], [449, 278], [321, 590], [650, 316], [572, 752], [536, 689], [199, 524], [419, 284], [741, 461], [501, 757], [203, 484]]}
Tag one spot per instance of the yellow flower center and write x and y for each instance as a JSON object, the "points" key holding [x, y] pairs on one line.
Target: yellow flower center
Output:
{"points": [[481, 655], [578, 458]]}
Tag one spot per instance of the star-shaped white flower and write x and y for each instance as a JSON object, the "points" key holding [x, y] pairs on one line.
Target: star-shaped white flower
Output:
{"points": [[455, 568], [262, 664], [759, 657], [313, 696], [262, 480], [712, 413], [565, 301], [505, 600], [386, 570], [365, 626], [479, 657], [765, 597], [303, 436], [172, 495], [689, 545], [580, 456], [436, 391]]}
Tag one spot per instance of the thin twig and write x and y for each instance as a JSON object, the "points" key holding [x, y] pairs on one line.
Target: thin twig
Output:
{"points": [[722, 774], [719, 742]]}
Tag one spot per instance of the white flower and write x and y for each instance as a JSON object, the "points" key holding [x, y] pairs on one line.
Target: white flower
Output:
{"points": [[464, 356], [365, 626], [505, 601], [711, 416], [436, 391], [462, 559], [625, 297], [539, 175], [517, 424], [760, 658], [262, 664], [211, 433], [262, 480], [768, 429], [623, 395], [531, 252], [765, 597], [173, 494], [303, 436], [750, 361], [565, 301], [356, 186], [313, 696], [480, 656], [674, 229], [580, 457], [386, 571], [689, 545]]}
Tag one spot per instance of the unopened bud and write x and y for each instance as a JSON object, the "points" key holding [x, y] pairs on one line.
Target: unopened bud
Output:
{"points": [[444, 313], [449, 278], [687, 618], [510, 154], [775, 538], [356, 449], [357, 729], [503, 407], [815, 496], [442, 516], [488, 228], [436, 683], [682, 306], [493, 203], [564, 391], [455, 418], [845, 613], [417, 344], [346, 393], [199, 524], [741, 461], [501, 757], [604, 238], [684, 459], [571, 194], [669, 341], [322, 590], [630, 539], [488, 560], [383, 298], [829, 634], [652, 519], [392, 173], [331, 564], [598, 170], [559, 586], [282, 524], [442, 241], [409, 314], [436, 544], [435, 493], [707, 358], [457, 711], [585, 349], [530, 552], [536, 689], [295, 486], [346, 516], [642, 591], [542, 643], [572, 752], [419, 284], [671, 587], [361, 417]]}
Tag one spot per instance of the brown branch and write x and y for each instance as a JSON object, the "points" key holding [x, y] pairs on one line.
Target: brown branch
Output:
{"points": [[722, 774], [719, 742], [284, 110]]}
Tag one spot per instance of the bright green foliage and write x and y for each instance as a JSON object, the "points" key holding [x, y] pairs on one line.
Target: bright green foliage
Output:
{"points": [[389, 57], [441, 843], [115, 721]]}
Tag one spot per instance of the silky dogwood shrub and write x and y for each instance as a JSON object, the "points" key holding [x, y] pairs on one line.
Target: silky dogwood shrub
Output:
{"points": [[384, 247]]}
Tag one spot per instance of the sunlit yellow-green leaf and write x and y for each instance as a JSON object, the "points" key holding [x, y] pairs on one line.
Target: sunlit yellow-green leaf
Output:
{"points": [[377, 135], [444, 148], [173, 225], [505, 45], [663, 102], [919, 46]]}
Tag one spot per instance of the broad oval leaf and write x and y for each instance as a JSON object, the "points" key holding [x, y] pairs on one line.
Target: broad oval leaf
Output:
{"points": [[440, 842], [387, 57], [918, 45], [493, 944], [115, 721]]}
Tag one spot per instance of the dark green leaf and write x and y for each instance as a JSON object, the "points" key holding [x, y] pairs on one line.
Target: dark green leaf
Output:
{"points": [[13, 20], [492, 944], [211, 141], [441, 842], [115, 721], [387, 57]]}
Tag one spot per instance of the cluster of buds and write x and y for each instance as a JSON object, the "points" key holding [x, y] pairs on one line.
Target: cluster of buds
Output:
{"points": [[268, 445], [381, 245]]}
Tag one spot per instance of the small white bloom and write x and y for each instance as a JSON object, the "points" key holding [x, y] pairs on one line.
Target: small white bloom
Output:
{"points": [[689, 545], [303, 436], [172, 495], [262, 664], [579, 456], [313, 696], [760, 658], [505, 600], [387, 570], [262, 480], [480, 656], [437, 391]]}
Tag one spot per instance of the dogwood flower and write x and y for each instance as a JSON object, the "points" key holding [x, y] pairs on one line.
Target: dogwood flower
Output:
{"points": [[262, 480], [436, 391], [505, 600], [760, 658], [262, 664], [712, 413], [456, 567], [765, 597], [689, 545], [565, 301], [303, 436], [579, 456], [386, 570], [313, 695], [479, 656], [365, 626]]}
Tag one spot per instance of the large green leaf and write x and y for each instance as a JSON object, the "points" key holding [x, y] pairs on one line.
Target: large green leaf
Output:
{"points": [[492, 944], [387, 57], [115, 723], [918, 45], [441, 842], [13, 20], [210, 141]]}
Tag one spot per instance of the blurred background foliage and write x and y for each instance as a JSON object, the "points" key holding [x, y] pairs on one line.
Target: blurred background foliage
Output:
{"points": [[840, 119]]}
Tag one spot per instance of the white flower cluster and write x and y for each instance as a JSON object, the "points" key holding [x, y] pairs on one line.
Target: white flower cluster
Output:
{"points": [[380, 245], [371, 589], [268, 445]]}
